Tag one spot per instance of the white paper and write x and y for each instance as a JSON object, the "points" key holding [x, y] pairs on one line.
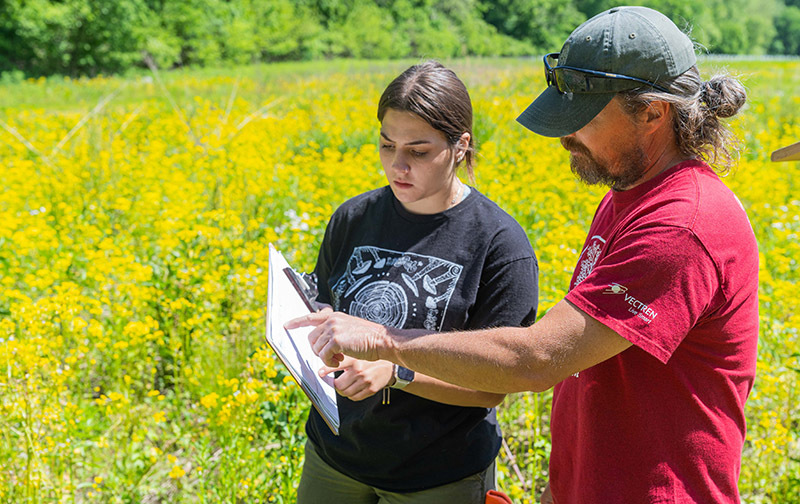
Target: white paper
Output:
{"points": [[283, 304]]}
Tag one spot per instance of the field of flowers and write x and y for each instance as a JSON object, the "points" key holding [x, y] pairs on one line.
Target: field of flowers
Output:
{"points": [[134, 222]]}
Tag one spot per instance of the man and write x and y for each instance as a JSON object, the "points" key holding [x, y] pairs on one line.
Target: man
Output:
{"points": [[653, 350]]}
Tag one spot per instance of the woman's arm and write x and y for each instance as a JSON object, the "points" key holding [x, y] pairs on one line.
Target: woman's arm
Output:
{"points": [[361, 379], [443, 392]]}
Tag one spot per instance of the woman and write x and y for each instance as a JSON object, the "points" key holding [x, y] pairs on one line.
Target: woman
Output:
{"points": [[426, 251]]}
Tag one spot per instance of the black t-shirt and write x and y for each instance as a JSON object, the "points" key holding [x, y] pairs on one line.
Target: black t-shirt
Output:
{"points": [[468, 267]]}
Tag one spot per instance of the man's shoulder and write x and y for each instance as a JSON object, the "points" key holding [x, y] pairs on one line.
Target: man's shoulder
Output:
{"points": [[694, 203], [694, 197], [715, 213]]}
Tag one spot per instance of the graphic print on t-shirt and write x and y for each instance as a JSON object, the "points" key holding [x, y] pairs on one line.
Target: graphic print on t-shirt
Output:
{"points": [[386, 286], [588, 258]]}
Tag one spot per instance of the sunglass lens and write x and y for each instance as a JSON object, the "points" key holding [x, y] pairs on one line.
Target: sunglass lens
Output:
{"points": [[570, 81], [549, 62]]}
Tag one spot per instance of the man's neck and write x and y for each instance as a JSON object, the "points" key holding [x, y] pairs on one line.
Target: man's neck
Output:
{"points": [[662, 155]]}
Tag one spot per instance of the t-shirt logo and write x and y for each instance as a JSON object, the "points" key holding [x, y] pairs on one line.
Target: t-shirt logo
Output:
{"points": [[615, 288], [588, 258], [386, 286]]}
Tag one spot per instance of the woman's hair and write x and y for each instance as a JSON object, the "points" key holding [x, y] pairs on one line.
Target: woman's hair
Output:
{"points": [[435, 94], [698, 107]]}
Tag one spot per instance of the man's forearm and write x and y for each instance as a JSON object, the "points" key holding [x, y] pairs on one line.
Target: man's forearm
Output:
{"points": [[508, 359], [501, 360]]}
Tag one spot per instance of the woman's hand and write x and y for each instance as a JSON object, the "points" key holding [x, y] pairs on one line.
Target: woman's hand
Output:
{"points": [[360, 379]]}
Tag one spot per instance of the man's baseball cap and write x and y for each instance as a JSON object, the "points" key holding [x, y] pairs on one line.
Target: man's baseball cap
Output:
{"points": [[630, 41]]}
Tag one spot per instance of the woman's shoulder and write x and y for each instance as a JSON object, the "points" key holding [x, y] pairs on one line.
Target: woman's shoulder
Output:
{"points": [[358, 205], [492, 212], [507, 234]]}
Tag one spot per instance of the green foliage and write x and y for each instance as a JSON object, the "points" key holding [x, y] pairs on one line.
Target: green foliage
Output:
{"points": [[742, 26], [72, 37], [364, 31], [720, 26], [286, 30], [787, 25], [89, 37], [543, 23]]}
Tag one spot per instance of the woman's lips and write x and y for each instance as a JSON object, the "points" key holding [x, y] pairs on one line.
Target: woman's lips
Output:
{"points": [[402, 185]]}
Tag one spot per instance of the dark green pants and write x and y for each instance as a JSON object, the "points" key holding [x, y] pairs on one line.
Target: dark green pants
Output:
{"points": [[322, 484]]}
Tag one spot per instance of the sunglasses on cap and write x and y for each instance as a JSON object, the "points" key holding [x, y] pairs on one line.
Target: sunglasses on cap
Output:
{"points": [[569, 80]]}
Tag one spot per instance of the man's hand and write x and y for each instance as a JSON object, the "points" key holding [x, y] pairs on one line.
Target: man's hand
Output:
{"points": [[360, 379], [336, 334]]}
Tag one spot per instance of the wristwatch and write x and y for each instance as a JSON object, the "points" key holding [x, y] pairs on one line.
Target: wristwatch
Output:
{"points": [[402, 377]]}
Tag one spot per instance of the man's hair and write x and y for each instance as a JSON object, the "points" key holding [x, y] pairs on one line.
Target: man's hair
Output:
{"points": [[698, 107], [436, 94]]}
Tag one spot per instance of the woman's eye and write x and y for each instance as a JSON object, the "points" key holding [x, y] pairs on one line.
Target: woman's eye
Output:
{"points": [[416, 153], [387, 147]]}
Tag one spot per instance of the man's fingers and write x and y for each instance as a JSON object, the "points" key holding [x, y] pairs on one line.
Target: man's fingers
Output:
{"points": [[328, 353], [316, 341], [329, 361], [340, 361], [312, 319]]}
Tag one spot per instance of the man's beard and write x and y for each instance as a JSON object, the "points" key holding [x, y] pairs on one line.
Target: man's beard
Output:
{"points": [[631, 166]]}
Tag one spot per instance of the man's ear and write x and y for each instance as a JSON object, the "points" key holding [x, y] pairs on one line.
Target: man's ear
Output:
{"points": [[655, 115]]}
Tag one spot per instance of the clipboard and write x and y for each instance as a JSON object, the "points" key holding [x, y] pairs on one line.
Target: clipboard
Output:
{"points": [[307, 292], [288, 297], [788, 153]]}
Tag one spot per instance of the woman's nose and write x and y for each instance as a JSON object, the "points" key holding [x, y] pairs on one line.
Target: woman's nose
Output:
{"points": [[399, 163]]}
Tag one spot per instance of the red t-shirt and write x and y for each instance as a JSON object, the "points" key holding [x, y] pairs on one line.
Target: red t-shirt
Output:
{"points": [[671, 266]]}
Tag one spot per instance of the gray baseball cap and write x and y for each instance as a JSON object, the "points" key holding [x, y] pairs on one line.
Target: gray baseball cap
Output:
{"points": [[628, 41]]}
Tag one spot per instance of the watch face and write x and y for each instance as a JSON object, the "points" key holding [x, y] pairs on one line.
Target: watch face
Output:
{"points": [[405, 374]]}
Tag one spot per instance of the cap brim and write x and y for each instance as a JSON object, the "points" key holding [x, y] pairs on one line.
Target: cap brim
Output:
{"points": [[556, 115]]}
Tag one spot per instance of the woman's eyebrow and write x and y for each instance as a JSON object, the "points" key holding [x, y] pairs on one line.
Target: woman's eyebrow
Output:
{"points": [[415, 142]]}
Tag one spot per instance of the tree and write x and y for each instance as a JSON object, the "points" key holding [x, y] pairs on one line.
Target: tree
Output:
{"points": [[545, 24], [87, 37], [787, 26], [286, 30], [75, 37]]}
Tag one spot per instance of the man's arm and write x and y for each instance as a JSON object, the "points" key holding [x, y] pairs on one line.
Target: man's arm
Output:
{"points": [[503, 360]]}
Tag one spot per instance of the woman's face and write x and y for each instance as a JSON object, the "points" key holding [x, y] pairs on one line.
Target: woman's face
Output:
{"points": [[418, 162]]}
